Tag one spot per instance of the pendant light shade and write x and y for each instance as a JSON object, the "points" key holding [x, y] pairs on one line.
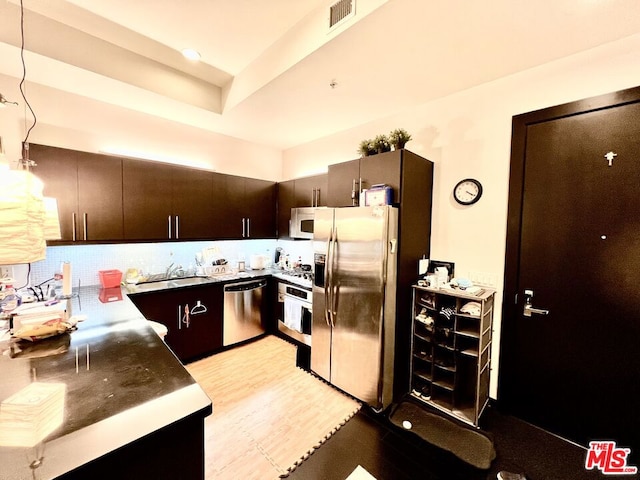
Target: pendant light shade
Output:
{"points": [[51, 219], [22, 216]]}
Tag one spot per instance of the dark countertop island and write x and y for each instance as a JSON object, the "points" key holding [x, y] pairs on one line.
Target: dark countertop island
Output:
{"points": [[108, 400]]}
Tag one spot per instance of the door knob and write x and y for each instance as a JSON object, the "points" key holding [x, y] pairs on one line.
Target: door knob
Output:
{"points": [[529, 310]]}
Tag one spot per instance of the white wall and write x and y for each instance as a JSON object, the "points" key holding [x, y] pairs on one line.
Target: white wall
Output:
{"points": [[79, 123], [468, 135]]}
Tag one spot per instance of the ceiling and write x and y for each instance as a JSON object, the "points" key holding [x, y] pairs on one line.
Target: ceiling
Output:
{"points": [[267, 66]]}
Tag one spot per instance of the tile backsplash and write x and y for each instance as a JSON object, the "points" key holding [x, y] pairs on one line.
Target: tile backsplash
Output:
{"points": [[87, 260]]}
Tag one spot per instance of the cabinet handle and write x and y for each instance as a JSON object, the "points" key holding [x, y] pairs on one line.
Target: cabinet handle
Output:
{"points": [[177, 227], [179, 319], [73, 226], [84, 225], [313, 197], [169, 223], [248, 227], [354, 193], [244, 230], [317, 197]]}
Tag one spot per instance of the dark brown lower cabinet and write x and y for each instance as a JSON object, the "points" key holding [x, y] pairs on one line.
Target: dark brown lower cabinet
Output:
{"points": [[192, 315], [153, 456]]}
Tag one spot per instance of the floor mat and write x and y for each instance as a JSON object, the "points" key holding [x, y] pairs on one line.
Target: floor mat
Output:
{"points": [[268, 414], [466, 443]]}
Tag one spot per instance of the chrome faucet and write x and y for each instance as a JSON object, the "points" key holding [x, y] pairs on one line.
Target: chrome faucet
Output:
{"points": [[174, 270]]}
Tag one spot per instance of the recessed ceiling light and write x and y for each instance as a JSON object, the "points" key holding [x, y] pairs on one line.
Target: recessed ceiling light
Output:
{"points": [[191, 54]]}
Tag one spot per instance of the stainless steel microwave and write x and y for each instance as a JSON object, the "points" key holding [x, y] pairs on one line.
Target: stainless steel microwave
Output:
{"points": [[301, 223]]}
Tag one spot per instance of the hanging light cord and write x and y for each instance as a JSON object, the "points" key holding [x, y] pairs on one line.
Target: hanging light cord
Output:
{"points": [[24, 74]]}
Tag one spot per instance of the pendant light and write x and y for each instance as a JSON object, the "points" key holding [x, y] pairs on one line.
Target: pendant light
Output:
{"points": [[22, 215], [22, 205]]}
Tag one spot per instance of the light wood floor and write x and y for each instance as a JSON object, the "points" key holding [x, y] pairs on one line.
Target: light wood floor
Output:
{"points": [[268, 414]]}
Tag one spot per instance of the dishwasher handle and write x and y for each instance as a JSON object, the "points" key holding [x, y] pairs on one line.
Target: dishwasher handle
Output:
{"points": [[245, 286]]}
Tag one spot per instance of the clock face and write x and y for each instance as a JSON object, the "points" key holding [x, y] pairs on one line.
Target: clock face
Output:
{"points": [[467, 191]]}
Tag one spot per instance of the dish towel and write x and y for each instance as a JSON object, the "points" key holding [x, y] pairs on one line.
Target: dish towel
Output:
{"points": [[293, 314]]}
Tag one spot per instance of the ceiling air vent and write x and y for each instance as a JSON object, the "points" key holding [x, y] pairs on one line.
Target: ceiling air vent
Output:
{"points": [[340, 12]]}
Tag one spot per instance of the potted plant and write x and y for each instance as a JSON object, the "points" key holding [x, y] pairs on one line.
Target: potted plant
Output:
{"points": [[366, 148], [381, 144], [398, 138]]}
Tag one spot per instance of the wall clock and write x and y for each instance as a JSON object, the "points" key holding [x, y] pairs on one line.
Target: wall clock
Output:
{"points": [[467, 191]]}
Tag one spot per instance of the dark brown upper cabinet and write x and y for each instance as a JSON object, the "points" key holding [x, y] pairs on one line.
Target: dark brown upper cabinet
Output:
{"points": [[286, 201], [260, 205], [347, 179], [167, 202], [311, 191], [193, 203], [245, 207], [88, 189], [302, 192]]}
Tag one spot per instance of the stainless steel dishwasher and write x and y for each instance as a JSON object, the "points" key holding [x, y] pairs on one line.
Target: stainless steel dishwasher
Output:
{"points": [[243, 318]]}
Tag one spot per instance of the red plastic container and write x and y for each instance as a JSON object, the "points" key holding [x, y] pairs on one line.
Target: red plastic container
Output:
{"points": [[110, 294], [110, 278]]}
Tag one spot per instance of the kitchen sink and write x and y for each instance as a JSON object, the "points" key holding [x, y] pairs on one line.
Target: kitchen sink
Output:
{"points": [[171, 283]]}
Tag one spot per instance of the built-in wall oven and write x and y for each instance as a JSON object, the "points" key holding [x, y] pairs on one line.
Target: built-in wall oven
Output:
{"points": [[294, 312]]}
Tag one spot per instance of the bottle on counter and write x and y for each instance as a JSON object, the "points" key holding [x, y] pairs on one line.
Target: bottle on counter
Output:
{"points": [[10, 300], [277, 259]]}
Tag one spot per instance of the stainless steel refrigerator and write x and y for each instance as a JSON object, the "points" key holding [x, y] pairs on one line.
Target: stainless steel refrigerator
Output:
{"points": [[353, 329]]}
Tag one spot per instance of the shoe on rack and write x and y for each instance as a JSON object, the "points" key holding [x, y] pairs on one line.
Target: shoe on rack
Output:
{"points": [[510, 476]]}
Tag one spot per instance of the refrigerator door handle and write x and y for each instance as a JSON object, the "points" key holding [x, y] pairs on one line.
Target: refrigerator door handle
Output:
{"points": [[334, 288], [385, 265], [327, 282]]}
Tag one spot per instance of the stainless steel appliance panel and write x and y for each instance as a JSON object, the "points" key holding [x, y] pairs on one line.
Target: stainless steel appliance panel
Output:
{"points": [[243, 317], [294, 298], [359, 264], [321, 326], [302, 222], [354, 301]]}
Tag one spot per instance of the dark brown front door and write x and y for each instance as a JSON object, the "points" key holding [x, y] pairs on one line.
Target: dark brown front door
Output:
{"points": [[574, 241]]}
